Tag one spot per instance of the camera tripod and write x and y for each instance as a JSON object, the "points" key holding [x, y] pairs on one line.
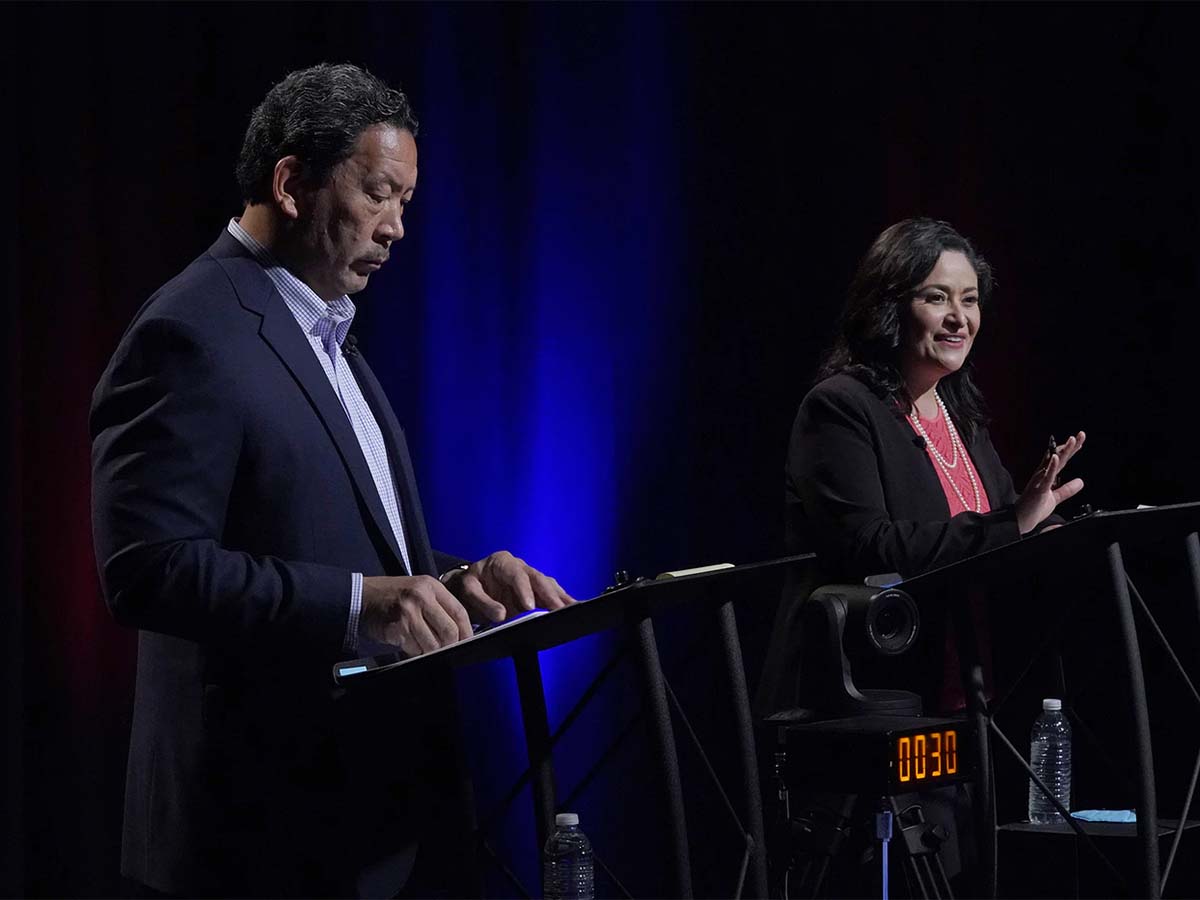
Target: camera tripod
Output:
{"points": [[837, 838]]}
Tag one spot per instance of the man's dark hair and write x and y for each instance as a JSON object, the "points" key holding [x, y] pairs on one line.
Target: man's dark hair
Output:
{"points": [[869, 345], [315, 114]]}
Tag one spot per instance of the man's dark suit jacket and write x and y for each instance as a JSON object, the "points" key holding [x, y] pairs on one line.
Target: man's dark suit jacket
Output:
{"points": [[862, 493], [231, 502]]}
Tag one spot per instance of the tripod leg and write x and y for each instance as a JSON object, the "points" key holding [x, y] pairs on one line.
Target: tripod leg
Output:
{"points": [[918, 879], [819, 881], [816, 836], [913, 867], [800, 882], [943, 880], [924, 857], [935, 886]]}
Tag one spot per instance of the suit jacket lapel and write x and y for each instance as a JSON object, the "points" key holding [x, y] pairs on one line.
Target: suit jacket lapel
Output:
{"points": [[930, 492], [281, 333]]}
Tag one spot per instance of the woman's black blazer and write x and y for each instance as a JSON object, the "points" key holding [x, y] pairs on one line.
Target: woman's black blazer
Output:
{"points": [[862, 492]]}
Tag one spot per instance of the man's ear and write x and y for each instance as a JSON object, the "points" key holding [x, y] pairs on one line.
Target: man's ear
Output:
{"points": [[287, 184]]}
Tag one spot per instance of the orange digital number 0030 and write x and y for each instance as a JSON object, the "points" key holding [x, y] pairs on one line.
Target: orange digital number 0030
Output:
{"points": [[924, 756]]}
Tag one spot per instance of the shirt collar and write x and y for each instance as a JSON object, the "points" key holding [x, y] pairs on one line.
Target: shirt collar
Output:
{"points": [[316, 316]]}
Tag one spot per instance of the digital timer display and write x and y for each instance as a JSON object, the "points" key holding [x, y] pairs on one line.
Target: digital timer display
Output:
{"points": [[922, 757]]}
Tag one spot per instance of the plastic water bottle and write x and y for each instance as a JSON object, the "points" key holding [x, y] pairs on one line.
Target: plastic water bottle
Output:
{"points": [[1050, 758], [567, 861]]}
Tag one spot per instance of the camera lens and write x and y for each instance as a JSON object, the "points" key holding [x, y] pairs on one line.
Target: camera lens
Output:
{"points": [[887, 623], [892, 622]]}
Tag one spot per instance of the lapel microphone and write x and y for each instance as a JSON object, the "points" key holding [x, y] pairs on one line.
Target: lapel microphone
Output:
{"points": [[350, 345]]}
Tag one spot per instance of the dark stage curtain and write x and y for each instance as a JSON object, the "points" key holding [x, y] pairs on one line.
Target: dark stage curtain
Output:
{"points": [[634, 227]]}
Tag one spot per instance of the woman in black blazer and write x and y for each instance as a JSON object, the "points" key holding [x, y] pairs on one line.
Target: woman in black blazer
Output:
{"points": [[890, 468]]}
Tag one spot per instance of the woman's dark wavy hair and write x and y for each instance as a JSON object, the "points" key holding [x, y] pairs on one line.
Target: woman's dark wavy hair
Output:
{"points": [[869, 344], [315, 114]]}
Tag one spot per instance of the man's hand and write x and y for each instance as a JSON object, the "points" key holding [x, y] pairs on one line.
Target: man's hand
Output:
{"points": [[415, 613], [1043, 493], [502, 585]]}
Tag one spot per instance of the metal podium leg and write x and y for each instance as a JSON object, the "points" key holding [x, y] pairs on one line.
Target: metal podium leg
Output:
{"points": [[727, 622], [983, 803], [1147, 809], [537, 740], [662, 740], [468, 880], [1193, 554], [985, 795]]}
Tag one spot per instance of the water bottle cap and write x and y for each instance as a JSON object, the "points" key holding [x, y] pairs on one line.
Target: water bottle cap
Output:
{"points": [[566, 819], [1050, 704]]}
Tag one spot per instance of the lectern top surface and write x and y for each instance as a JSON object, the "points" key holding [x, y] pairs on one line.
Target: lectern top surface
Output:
{"points": [[1092, 531], [542, 630]]}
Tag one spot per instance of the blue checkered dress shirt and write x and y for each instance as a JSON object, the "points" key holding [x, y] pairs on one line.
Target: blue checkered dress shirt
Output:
{"points": [[325, 325]]}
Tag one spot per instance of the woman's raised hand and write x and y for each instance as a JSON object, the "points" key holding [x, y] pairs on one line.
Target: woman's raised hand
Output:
{"points": [[1042, 494]]}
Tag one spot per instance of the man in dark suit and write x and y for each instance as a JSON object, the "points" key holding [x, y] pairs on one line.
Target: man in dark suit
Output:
{"points": [[256, 516]]}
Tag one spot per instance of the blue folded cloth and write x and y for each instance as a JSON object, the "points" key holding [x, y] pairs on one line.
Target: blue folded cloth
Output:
{"points": [[1105, 815]]}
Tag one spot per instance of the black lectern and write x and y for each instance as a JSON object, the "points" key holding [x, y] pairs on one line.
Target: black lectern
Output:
{"points": [[1095, 540], [631, 607]]}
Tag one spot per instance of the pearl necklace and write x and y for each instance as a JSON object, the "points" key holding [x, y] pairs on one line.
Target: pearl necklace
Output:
{"points": [[947, 465]]}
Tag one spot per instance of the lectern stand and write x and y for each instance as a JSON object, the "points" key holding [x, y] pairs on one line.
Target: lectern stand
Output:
{"points": [[1097, 540], [631, 608]]}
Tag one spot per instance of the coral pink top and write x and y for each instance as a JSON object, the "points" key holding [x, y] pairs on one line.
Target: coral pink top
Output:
{"points": [[960, 476], [953, 699]]}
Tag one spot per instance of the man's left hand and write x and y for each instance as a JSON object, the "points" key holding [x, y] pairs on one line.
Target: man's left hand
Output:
{"points": [[502, 585]]}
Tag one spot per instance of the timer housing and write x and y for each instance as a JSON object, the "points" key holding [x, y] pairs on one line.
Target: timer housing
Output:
{"points": [[885, 755]]}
